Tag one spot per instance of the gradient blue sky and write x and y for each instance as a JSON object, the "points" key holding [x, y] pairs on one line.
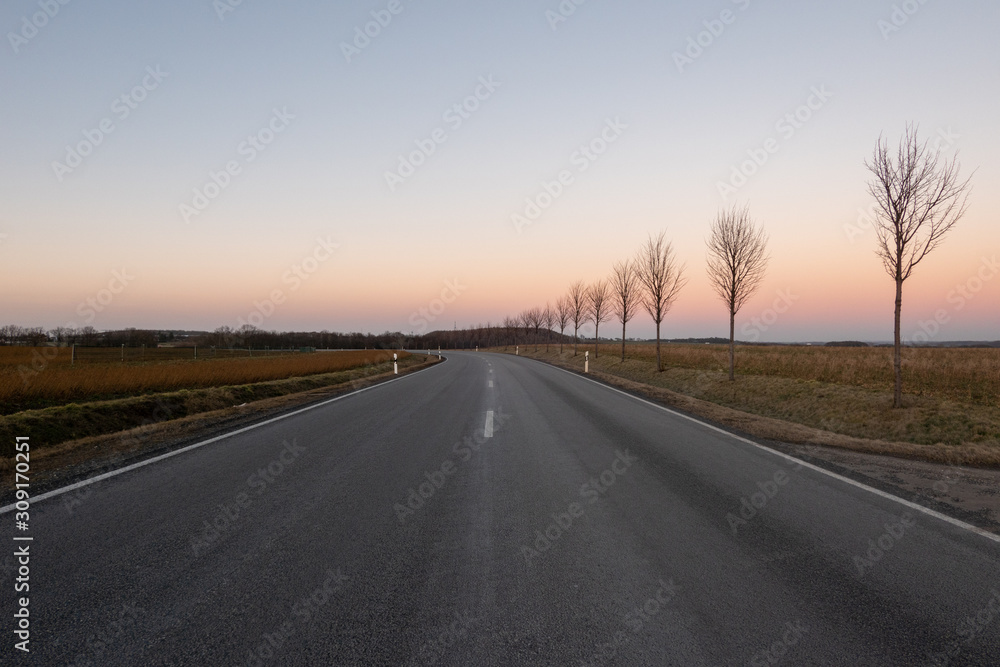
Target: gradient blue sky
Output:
{"points": [[323, 176]]}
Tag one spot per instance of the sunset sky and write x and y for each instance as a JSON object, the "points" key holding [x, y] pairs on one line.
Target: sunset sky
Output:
{"points": [[218, 155]]}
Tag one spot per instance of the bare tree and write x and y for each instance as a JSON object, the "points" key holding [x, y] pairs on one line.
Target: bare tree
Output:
{"points": [[737, 262], [510, 324], [578, 303], [548, 319], [533, 320], [524, 321], [625, 292], [563, 315], [918, 199], [661, 278], [599, 307]]}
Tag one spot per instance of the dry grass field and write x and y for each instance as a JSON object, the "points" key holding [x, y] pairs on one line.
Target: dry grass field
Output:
{"points": [[32, 378], [963, 374]]}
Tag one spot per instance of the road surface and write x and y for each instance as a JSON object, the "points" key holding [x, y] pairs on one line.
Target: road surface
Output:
{"points": [[497, 511]]}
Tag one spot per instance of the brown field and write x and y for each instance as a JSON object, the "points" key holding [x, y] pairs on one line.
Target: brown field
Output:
{"points": [[32, 378], [970, 375]]}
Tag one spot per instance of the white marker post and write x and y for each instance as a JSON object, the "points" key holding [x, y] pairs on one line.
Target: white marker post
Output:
{"points": [[517, 350], [439, 351], [395, 366], [586, 362]]}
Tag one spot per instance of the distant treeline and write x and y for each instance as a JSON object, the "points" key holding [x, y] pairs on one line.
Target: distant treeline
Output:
{"points": [[258, 339], [484, 336]]}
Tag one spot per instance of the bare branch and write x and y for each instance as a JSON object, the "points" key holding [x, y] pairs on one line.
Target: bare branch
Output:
{"points": [[578, 303], [661, 279], [737, 257], [625, 287], [737, 262], [919, 198]]}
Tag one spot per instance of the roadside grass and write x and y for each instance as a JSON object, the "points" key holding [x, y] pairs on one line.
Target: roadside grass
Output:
{"points": [[30, 379], [950, 409], [57, 424]]}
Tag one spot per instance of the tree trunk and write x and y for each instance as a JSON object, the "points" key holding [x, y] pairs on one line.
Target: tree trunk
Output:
{"points": [[732, 345], [897, 357], [576, 338], [597, 339], [623, 342], [659, 366]]}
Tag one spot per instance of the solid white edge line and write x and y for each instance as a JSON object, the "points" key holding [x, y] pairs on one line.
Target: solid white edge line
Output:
{"points": [[488, 432], [161, 457], [920, 508]]}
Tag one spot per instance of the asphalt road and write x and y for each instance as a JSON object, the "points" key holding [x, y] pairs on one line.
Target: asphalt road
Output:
{"points": [[386, 528]]}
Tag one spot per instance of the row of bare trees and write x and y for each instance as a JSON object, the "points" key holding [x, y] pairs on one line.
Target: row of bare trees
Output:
{"points": [[652, 281], [919, 198]]}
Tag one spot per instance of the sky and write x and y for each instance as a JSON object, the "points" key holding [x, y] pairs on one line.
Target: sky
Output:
{"points": [[410, 165]]}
